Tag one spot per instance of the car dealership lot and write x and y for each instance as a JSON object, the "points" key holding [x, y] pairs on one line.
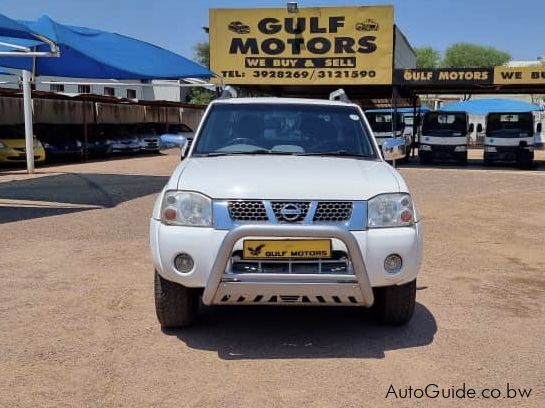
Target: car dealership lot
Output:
{"points": [[78, 326]]}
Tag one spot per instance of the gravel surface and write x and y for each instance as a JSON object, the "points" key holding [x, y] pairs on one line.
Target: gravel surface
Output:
{"points": [[78, 325]]}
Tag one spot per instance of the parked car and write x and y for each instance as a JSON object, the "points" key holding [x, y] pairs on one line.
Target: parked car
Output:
{"points": [[12, 146], [306, 212], [98, 145], [61, 141], [122, 141], [149, 139]]}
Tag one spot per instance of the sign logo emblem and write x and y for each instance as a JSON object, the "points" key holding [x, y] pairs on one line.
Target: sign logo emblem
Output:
{"points": [[239, 27], [257, 250], [290, 212], [368, 25]]}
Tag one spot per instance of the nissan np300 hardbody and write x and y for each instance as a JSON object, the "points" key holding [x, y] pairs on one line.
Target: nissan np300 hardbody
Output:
{"points": [[285, 202], [445, 135]]}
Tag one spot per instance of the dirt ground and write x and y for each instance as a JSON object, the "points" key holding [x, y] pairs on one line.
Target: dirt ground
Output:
{"points": [[78, 325]]}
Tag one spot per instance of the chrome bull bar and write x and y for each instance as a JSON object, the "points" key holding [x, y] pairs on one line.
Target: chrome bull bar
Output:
{"points": [[359, 293]]}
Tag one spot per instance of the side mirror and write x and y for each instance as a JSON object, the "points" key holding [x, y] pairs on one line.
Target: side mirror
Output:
{"points": [[471, 128], [538, 127], [479, 128], [393, 149], [183, 148]]}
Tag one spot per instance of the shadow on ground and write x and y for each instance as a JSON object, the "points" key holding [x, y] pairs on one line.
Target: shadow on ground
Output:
{"points": [[472, 164], [239, 333], [71, 192]]}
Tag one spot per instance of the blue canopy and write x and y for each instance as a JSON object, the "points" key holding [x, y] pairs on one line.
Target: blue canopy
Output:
{"points": [[484, 106], [89, 53], [14, 29]]}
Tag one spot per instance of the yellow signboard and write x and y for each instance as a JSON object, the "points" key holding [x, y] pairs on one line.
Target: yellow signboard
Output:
{"points": [[519, 75], [287, 249], [329, 45]]}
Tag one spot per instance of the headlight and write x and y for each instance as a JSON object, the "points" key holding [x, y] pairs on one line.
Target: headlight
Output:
{"points": [[460, 148], [186, 208], [2, 145], [78, 143], [390, 210], [490, 149], [424, 147], [46, 145]]}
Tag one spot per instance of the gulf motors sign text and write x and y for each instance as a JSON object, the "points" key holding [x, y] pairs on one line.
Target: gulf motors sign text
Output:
{"points": [[332, 45]]}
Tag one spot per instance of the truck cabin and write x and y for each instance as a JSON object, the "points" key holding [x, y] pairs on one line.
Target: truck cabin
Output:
{"points": [[381, 122], [510, 125], [445, 124]]}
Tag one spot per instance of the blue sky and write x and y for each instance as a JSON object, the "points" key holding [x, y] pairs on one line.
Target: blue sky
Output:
{"points": [[516, 26]]}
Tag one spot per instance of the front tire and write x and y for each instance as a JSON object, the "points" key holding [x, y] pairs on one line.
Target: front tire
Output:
{"points": [[175, 305], [394, 305]]}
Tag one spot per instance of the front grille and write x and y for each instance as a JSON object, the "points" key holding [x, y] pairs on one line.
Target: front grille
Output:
{"points": [[279, 206], [247, 210], [333, 211], [338, 264], [442, 149]]}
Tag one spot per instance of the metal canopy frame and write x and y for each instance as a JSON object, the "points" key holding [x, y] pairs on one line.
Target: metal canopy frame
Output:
{"points": [[30, 52]]}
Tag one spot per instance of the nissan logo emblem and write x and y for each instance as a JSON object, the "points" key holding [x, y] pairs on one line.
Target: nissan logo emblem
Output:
{"points": [[291, 212]]}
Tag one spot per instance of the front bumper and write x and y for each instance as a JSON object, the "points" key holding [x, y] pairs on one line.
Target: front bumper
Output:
{"points": [[508, 153], [442, 151], [19, 155], [212, 253]]}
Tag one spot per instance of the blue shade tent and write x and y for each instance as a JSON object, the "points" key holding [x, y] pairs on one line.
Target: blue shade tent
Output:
{"points": [[89, 53], [84, 53], [13, 29], [485, 106], [19, 41]]}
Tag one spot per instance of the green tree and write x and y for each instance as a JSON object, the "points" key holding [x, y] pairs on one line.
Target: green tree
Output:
{"points": [[199, 95], [202, 53], [427, 57], [465, 55]]}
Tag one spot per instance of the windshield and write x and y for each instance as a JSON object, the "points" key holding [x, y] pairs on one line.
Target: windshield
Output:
{"points": [[382, 121], [12, 132], [283, 129], [445, 124], [510, 124]]}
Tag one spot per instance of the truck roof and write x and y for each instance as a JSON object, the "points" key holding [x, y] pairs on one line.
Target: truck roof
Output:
{"points": [[276, 100]]}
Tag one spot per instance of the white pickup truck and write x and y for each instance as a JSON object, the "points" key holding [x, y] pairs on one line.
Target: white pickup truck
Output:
{"points": [[285, 202]]}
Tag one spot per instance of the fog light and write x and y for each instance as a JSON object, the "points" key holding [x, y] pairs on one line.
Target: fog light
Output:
{"points": [[184, 263], [393, 263]]}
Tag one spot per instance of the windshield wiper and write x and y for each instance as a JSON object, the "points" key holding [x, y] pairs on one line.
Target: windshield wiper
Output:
{"points": [[239, 153], [340, 153]]}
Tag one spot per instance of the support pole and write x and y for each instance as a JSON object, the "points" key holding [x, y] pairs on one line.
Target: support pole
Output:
{"points": [[394, 117], [29, 133], [415, 125]]}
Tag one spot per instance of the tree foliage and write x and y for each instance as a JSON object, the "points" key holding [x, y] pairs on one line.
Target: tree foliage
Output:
{"points": [[202, 56], [202, 53], [427, 57], [465, 55], [200, 96]]}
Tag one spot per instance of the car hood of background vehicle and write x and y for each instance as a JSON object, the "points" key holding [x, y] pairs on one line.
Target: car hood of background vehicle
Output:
{"points": [[16, 143], [287, 177]]}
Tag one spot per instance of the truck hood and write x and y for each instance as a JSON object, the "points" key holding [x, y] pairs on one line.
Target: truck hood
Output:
{"points": [[287, 177]]}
